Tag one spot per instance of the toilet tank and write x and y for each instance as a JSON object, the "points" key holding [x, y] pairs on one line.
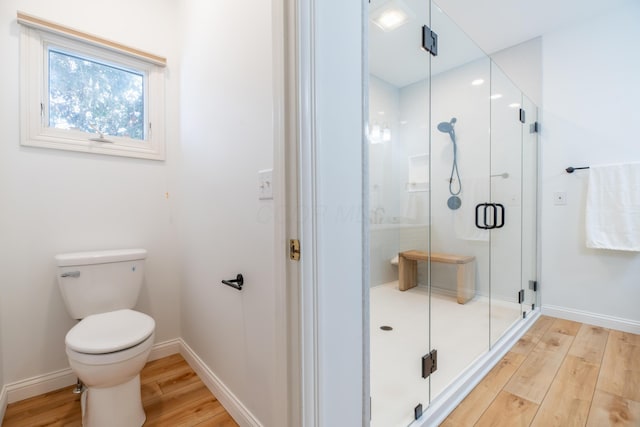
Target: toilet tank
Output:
{"points": [[100, 281]]}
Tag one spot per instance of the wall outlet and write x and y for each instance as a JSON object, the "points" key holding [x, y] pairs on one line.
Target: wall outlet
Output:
{"points": [[560, 198], [265, 184]]}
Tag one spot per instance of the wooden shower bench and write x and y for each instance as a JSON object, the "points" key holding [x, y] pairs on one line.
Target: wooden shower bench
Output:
{"points": [[466, 271]]}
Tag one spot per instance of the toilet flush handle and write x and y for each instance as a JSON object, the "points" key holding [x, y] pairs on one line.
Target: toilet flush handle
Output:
{"points": [[70, 274]]}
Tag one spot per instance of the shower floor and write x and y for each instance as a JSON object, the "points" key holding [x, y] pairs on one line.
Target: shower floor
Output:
{"points": [[460, 333]]}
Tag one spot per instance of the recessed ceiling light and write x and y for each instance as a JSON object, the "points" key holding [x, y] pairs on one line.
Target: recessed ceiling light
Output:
{"points": [[392, 15], [496, 96], [477, 82]]}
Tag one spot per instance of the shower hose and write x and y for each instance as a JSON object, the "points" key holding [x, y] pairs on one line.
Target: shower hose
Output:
{"points": [[454, 170]]}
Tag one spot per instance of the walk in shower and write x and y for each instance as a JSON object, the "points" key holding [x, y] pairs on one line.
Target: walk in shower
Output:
{"points": [[452, 179]]}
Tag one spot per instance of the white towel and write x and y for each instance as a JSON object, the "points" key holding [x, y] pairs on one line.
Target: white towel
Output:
{"points": [[613, 207]]}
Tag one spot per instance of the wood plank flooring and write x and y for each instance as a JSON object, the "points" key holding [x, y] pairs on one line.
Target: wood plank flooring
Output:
{"points": [[172, 395], [560, 373]]}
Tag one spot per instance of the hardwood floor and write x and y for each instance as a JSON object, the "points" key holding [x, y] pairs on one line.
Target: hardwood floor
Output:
{"points": [[172, 395], [560, 373]]}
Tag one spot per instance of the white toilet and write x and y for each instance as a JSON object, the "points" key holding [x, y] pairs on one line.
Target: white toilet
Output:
{"points": [[110, 345]]}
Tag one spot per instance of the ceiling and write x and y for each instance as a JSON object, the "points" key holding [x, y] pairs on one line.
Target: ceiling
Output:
{"points": [[472, 26]]}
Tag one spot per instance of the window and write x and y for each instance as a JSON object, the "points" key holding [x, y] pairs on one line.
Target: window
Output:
{"points": [[82, 93]]}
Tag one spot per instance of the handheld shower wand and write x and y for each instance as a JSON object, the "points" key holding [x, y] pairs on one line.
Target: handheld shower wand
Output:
{"points": [[454, 201]]}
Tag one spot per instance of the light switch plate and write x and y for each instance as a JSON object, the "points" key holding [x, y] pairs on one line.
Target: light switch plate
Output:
{"points": [[265, 184]]}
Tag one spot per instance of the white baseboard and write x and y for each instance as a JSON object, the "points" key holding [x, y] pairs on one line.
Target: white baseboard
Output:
{"points": [[231, 403], [41, 384], [611, 322], [451, 397], [164, 349], [4, 401]]}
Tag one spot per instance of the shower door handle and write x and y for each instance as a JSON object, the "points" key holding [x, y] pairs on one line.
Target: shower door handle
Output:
{"points": [[490, 213], [484, 219], [501, 206]]}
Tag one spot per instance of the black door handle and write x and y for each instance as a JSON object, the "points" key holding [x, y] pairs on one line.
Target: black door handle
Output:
{"points": [[484, 219], [491, 219], [489, 226], [501, 206], [235, 283]]}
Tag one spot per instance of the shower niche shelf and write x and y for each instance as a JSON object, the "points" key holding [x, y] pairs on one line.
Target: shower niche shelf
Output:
{"points": [[418, 179]]}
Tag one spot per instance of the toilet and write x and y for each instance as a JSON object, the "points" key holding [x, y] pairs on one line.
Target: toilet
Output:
{"points": [[110, 344]]}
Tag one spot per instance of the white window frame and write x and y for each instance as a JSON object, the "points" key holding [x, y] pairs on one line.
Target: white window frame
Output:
{"points": [[34, 115]]}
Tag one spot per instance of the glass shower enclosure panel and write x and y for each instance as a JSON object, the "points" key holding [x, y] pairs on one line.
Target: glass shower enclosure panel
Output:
{"points": [[529, 204], [460, 182], [398, 184], [506, 203]]}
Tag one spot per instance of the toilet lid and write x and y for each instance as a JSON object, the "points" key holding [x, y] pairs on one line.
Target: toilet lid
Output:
{"points": [[109, 332]]}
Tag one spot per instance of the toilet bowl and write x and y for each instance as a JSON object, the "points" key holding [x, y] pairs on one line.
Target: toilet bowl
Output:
{"points": [[107, 351]]}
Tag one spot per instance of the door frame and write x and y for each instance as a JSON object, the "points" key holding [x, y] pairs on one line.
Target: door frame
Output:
{"points": [[318, 173]]}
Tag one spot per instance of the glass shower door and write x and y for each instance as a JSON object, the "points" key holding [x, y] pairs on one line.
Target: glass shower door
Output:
{"points": [[460, 169], [506, 196], [398, 180]]}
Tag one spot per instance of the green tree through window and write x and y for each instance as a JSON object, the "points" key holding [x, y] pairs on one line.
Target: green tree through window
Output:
{"points": [[95, 97]]}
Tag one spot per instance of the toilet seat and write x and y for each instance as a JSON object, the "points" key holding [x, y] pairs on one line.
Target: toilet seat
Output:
{"points": [[111, 358], [110, 332]]}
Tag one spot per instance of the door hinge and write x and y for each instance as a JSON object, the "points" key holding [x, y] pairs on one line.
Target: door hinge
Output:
{"points": [[417, 411], [534, 128], [522, 116], [429, 40], [533, 285], [294, 249], [429, 363], [520, 296]]}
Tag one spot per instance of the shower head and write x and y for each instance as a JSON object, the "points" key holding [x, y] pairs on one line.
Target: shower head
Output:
{"points": [[447, 127]]}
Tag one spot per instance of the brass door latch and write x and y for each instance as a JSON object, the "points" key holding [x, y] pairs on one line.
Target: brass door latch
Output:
{"points": [[294, 249]]}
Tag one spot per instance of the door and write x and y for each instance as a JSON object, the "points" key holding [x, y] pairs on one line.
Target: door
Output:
{"points": [[398, 209], [460, 181], [506, 195]]}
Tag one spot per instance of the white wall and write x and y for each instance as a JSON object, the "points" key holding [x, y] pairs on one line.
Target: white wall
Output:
{"points": [[523, 64], [226, 137], [591, 110], [57, 201]]}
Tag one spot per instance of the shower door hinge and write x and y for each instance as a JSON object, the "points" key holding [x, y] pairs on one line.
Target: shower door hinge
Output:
{"points": [[294, 249], [417, 411], [520, 296], [533, 285], [429, 40], [429, 363], [522, 116], [534, 128]]}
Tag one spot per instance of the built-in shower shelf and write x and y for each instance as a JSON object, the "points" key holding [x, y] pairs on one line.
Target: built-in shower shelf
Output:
{"points": [[418, 173]]}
